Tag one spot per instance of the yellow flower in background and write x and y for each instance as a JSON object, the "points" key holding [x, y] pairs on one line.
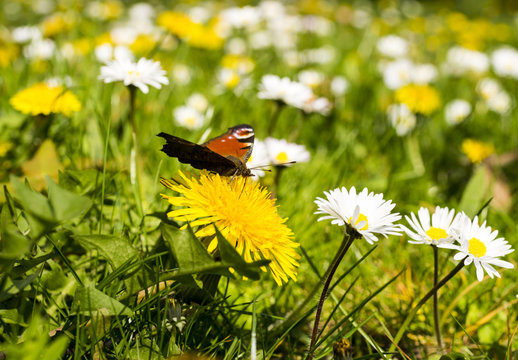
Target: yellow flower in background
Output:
{"points": [[57, 23], [143, 45], [41, 98], [476, 151], [5, 147], [8, 53], [195, 34], [244, 213], [422, 99], [240, 63]]}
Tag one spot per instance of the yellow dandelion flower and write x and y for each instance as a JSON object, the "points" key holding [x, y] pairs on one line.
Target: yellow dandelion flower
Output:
{"points": [[244, 213], [476, 151], [56, 24], [8, 53], [239, 63], [41, 98], [143, 44], [422, 99]]}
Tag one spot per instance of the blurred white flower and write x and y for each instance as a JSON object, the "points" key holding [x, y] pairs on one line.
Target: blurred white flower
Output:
{"points": [[25, 34], [479, 244], [123, 35], [106, 52], [424, 73], [188, 117], [236, 46], [311, 78], [258, 160], [460, 60], [392, 46], [500, 103], [339, 85], [401, 118], [182, 74], [246, 17], [198, 101], [505, 62], [397, 73], [456, 111], [40, 49], [199, 14], [141, 11], [319, 105], [271, 9], [488, 88], [140, 74], [260, 39], [322, 55], [283, 89], [317, 24], [283, 153], [366, 212]]}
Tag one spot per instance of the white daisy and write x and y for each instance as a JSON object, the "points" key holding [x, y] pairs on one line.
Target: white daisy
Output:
{"points": [[366, 212], [258, 160], [188, 117], [283, 89], [392, 46], [456, 111], [479, 244], [505, 62], [140, 74], [311, 78], [198, 102], [401, 118], [339, 85], [397, 73], [441, 230], [460, 61], [319, 105], [283, 153]]}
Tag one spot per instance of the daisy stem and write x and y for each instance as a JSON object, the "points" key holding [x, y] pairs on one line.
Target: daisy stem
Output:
{"points": [[134, 165], [276, 181], [275, 116], [414, 153], [435, 297], [421, 302], [346, 243]]}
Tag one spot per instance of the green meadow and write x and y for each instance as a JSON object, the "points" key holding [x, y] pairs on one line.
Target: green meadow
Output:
{"points": [[414, 100]]}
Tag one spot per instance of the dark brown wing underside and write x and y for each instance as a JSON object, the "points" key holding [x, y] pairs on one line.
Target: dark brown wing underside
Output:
{"points": [[199, 157]]}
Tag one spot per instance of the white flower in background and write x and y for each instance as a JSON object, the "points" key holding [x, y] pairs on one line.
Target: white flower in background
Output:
{"points": [[505, 62], [397, 73], [260, 39], [441, 230], [293, 58], [424, 74], [140, 74], [199, 14], [500, 103], [317, 24], [106, 52], [236, 46], [258, 160], [188, 117], [488, 88], [246, 17], [182, 74], [456, 111], [25, 34], [392, 46], [40, 49], [311, 78], [228, 78], [283, 89], [460, 60], [339, 85], [479, 244], [123, 35], [142, 11], [319, 105], [322, 55], [366, 212], [283, 153], [401, 118], [271, 9], [198, 101]]}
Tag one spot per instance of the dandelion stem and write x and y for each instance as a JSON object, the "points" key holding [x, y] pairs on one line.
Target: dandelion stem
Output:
{"points": [[346, 243], [435, 297], [134, 165], [421, 302]]}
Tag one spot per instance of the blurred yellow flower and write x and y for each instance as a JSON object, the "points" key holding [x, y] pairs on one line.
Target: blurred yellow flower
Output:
{"points": [[143, 45], [41, 98], [193, 33], [244, 213], [240, 63], [8, 53], [422, 99], [476, 151], [57, 23], [5, 147]]}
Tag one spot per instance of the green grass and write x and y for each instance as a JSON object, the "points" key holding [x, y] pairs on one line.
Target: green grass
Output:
{"points": [[79, 264]]}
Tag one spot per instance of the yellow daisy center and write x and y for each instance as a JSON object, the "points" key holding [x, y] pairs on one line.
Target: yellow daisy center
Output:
{"points": [[282, 157], [477, 248], [362, 217], [436, 233]]}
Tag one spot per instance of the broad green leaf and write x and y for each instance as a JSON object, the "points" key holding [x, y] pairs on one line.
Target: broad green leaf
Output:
{"points": [[32, 201], [12, 316], [475, 193], [231, 258], [66, 204], [115, 249], [89, 299], [13, 244]]}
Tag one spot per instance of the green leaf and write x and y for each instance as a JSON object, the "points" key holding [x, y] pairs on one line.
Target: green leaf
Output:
{"points": [[12, 316], [231, 258], [190, 254], [66, 204], [32, 201], [475, 192], [89, 300], [453, 356], [115, 249], [13, 245]]}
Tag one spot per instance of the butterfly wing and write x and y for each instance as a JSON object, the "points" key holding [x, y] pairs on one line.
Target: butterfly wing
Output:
{"points": [[237, 143], [198, 156]]}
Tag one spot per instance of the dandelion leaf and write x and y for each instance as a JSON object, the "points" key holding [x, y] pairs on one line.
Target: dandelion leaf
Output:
{"points": [[66, 204], [89, 299], [32, 201], [475, 192], [13, 244], [115, 249]]}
